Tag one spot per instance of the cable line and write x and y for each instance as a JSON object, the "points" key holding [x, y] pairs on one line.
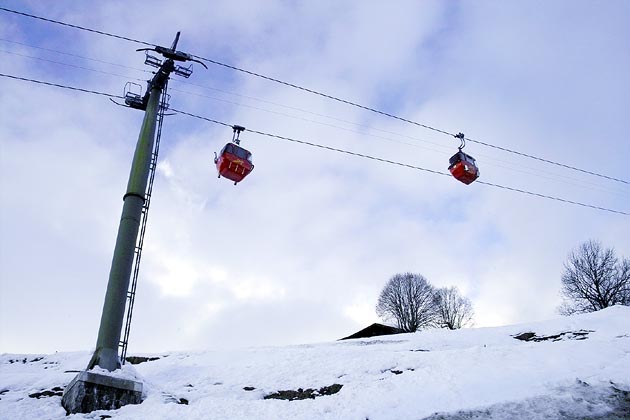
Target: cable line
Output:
{"points": [[532, 171], [77, 27], [402, 164], [61, 86], [334, 149], [331, 97], [227, 101], [550, 197], [76, 56], [535, 173], [566, 179], [296, 117], [441, 145], [376, 111], [71, 65], [314, 92]]}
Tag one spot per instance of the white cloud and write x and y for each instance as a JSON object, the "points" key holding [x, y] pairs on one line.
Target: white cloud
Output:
{"points": [[302, 248]]}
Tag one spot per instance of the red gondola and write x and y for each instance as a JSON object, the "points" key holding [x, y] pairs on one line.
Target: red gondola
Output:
{"points": [[462, 166], [234, 162]]}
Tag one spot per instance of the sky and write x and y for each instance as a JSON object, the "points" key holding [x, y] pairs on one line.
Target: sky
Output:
{"points": [[300, 250]]}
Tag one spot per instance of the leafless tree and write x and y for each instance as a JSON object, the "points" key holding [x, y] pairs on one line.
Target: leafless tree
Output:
{"points": [[454, 311], [409, 300], [593, 279]]}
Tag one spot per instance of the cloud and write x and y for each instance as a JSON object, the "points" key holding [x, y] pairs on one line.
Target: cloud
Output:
{"points": [[300, 250]]}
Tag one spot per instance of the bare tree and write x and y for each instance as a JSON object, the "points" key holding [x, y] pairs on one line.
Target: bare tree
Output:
{"points": [[594, 279], [454, 311], [409, 300]]}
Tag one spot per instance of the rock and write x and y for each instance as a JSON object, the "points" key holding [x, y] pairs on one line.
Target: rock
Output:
{"points": [[525, 336], [304, 394], [569, 335], [136, 360], [54, 392]]}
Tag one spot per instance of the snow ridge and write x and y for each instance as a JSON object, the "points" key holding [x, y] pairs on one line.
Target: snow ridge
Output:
{"points": [[480, 373]]}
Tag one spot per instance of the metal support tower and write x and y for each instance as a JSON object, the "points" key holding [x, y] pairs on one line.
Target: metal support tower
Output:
{"points": [[106, 353], [119, 297], [131, 293]]}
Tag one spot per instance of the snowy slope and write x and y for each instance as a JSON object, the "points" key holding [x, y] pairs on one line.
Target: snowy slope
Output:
{"points": [[465, 374]]}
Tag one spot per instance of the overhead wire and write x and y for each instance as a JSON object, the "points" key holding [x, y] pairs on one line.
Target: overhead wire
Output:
{"points": [[334, 149], [408, 121], [288, 115], [392, 162], [328, 96], [71, 65], [283, 114], [368, 131], [75, 55], [41, 82], [301, 118], [294, 108], [353, 123], [520, 168], [83, 28], [210, 97], [536, 172]]}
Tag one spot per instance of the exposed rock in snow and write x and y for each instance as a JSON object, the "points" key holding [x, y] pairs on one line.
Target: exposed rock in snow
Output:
{"points": [[570, 368]]}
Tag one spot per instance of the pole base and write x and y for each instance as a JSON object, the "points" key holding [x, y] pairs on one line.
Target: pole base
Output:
{"points": [[90, 391]]}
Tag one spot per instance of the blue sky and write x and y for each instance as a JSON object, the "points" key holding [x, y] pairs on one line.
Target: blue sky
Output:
{"points": [[305, 244]]}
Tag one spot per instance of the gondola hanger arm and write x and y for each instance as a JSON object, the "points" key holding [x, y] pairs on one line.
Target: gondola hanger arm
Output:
{"points": [[462, 139]]}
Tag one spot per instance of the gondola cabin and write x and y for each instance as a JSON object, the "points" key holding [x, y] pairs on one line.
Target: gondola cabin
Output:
{"points": [[234, 163], [463, 167]]}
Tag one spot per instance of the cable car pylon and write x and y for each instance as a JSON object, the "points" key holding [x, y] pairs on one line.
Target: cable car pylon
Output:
{"points": [[131, 294], [91, 390]]}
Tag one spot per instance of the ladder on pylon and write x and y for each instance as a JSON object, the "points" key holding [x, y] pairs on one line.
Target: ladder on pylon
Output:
{"points": [[131, 293]]}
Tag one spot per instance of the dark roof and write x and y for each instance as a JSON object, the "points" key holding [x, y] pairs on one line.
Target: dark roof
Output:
{"points": [[374, 330]]}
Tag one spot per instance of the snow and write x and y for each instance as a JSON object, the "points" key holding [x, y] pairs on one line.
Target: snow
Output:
{"points": [[469, 373]]}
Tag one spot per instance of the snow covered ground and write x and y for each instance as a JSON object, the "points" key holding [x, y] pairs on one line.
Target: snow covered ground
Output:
{"points": [[437, 374]]}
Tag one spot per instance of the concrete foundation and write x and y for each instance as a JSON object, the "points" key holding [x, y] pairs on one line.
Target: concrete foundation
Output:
{"points": [[90, 391]]}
